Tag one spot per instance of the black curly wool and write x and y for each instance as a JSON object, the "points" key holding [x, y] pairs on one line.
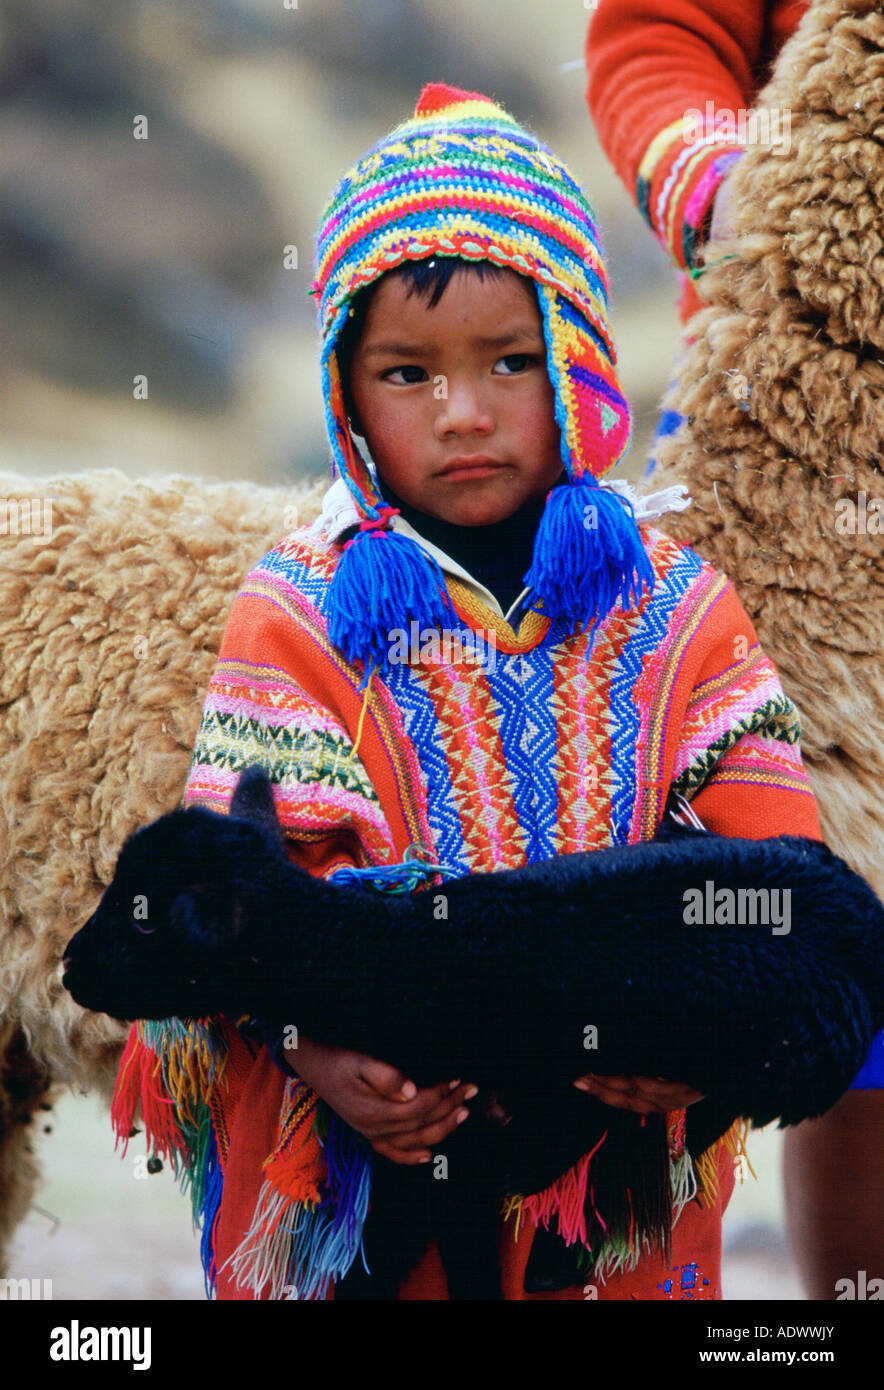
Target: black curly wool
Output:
{"points": [[504, 978]]}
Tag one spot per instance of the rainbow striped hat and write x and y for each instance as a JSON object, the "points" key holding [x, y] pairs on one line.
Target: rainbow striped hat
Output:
{"points": [[461, 178]]}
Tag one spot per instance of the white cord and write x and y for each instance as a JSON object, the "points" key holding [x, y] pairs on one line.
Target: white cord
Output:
{"points": [[692, 817]]}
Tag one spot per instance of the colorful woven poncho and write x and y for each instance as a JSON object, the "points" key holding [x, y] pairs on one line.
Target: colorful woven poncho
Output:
{"points": [[403, 772]]}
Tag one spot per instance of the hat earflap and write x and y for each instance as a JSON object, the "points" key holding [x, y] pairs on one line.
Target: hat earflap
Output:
{"points": [[383, 580], [588, 550]]}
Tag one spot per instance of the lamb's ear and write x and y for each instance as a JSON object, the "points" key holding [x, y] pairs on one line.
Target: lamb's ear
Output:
{"points": [[253, 801]]}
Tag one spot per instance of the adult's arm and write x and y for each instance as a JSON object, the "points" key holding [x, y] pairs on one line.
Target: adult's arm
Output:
{"points": [[649, 63]]}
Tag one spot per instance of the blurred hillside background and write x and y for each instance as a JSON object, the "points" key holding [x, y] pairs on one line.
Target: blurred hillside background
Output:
{"points": [[164, 257]]}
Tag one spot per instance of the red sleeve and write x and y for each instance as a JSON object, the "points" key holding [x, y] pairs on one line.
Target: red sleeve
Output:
{"points": [[731, 804], [651, 62]]}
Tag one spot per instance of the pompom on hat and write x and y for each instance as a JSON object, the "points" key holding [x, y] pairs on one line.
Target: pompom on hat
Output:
{"points": [[461, 178]]}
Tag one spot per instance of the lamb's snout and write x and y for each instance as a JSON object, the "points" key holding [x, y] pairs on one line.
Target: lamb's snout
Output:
{"points": [[67, 961], [72, 951]]}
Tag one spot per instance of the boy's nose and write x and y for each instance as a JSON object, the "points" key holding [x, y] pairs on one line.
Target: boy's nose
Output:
{"points": [[461, 409]]}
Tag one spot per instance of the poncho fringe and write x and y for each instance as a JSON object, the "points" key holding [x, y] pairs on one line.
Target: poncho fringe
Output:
{"points": [[306, 1230]]}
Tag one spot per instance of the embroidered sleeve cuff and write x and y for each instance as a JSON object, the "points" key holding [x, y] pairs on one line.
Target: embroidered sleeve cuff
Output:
{"points": [[677, 182]]}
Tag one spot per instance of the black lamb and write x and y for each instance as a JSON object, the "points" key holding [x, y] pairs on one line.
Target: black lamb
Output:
{"points": [[519, 980]]}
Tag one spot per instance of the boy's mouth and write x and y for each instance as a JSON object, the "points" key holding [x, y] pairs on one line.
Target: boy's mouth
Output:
{"points": [[470, 466]]}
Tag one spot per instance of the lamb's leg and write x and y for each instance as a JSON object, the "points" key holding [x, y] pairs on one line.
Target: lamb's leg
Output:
{"points": [[409, 1206], [468, 1233], [24, 1088]]}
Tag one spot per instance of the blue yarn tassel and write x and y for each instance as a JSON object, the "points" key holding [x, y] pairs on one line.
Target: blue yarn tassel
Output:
{"points": [[348, 1166], [327, 1239], [587, 552], [399, 878], [382, 581], [213, 1187]]}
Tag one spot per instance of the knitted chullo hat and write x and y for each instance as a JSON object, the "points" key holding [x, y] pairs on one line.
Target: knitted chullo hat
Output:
{"points": [[461, 178]]}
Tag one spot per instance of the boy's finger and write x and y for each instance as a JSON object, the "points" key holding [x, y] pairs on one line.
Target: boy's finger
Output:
{"points": [[429, 1107], [396, 1155], [612, 1083], [617, 1096], [448, 1103], [676, 1094], [435, 1133], [422, 1140], [388, 1081], [430, 1103], [635, 1103], [617, 1083], [669, 1094], [600, 1088]]}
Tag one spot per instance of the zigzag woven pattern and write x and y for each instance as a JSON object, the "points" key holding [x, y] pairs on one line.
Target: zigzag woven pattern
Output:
{"points": [[550, 748]]}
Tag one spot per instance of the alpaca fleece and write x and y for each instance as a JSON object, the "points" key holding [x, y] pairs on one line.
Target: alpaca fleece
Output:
{"points": [[782, 390], [109, 631]]}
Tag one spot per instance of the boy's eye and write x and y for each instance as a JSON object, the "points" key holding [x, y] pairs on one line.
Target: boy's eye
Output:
{"points": [[409, 381], [516, 362]]}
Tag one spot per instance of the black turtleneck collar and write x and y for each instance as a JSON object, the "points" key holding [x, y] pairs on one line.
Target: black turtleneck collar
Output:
{"points": [[498, 555]]}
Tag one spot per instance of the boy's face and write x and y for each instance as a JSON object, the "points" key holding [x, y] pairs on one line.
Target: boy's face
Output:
{"points": [[465, 380]]}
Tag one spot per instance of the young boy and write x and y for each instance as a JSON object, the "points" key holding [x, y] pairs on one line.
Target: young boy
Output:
{"points": [[463, 300]]}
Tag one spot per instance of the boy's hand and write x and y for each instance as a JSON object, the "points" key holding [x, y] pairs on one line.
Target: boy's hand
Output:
{"points": [[399, 1121], [648, 1095]]}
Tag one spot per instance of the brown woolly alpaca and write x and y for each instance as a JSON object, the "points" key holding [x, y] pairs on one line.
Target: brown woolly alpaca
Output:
{"points": [[783, 391], [110, 623], [783, 394]]}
